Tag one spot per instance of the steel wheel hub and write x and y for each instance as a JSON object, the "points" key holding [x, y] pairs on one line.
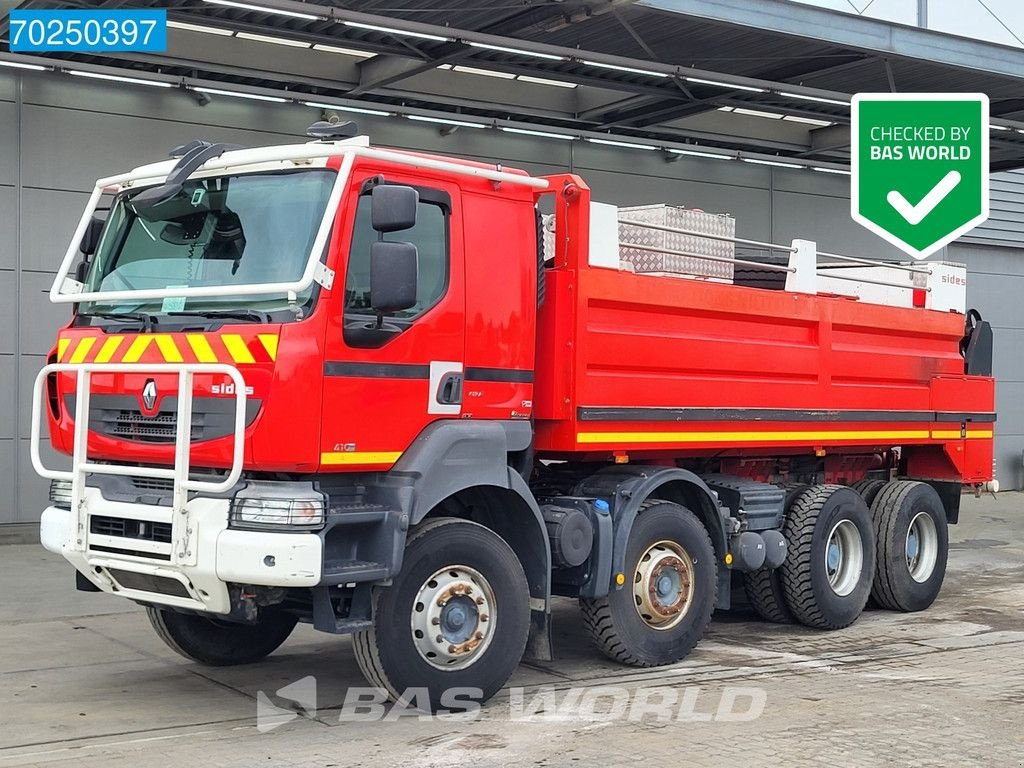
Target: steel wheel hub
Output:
{"points": [[922, 547], [453, 616], [844, 557], [663, 585]]}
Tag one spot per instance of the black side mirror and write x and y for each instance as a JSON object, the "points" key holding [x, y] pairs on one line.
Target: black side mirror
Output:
{"points": [[91, 238], [393, 276], [393, 207]]}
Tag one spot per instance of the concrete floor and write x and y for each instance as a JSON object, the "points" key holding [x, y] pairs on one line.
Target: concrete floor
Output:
{"points": [[86, 682]]}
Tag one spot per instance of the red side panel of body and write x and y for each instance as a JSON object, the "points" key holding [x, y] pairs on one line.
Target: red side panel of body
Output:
{"points": [[681, 367]]}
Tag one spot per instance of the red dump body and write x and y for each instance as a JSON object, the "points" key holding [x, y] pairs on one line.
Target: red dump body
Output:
{"points": [[639, 365]]}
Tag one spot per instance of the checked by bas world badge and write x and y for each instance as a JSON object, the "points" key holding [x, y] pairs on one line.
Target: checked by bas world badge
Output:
{"points": [[919, 166]]}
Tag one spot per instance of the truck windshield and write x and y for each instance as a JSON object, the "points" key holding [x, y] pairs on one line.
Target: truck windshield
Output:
{"points": [[221, 231]]}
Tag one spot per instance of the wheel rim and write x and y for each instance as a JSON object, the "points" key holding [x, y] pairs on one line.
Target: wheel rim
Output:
{"points": [[844, 557], [663, 585], [922, 547], [453, 617]]}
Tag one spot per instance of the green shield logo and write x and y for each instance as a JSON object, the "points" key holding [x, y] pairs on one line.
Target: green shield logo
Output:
{"points": [[919, 167]]}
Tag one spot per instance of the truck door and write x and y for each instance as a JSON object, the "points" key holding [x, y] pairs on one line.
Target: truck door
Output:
{"points": [[387, 376]]}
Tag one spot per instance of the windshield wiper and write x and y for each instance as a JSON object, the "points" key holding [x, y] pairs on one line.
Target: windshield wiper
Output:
{"points": [[250, 315], [148, 321]]}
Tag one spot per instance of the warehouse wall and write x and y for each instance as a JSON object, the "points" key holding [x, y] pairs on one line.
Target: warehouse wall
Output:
{"points": [[59, 133]]}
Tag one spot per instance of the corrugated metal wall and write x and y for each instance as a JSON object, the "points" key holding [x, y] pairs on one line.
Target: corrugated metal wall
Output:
{"points": [[58, 134], [1005, 225]]}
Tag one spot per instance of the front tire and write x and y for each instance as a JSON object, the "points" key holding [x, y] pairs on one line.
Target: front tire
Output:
{"points": [[831, 557], [912, 538], [456, 616], [666, 603], [221, 643]]}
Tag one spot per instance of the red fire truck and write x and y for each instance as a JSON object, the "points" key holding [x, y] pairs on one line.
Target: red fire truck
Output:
{"points": [[410, 398]]}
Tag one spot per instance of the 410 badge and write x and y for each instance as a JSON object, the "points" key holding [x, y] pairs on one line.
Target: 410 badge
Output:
{"points": [[919, 167]]}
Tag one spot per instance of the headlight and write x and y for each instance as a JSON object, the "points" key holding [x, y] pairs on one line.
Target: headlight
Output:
{"points": [[60, 493], [269, 505]]}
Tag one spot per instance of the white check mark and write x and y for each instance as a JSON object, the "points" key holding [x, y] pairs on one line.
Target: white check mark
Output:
{"points": [[915, 214]]}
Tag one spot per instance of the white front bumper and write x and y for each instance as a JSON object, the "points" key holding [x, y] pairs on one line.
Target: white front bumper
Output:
{"points": [[192, 570]]}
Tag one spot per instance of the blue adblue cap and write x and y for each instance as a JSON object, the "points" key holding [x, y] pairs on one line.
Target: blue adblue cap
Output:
{"points": [[601, 506]]}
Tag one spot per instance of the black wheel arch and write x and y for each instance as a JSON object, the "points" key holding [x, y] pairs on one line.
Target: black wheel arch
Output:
{"points": [[627, 487], [512, 513]]}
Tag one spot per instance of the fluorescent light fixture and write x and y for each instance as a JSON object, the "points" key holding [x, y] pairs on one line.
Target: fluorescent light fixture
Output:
{"points": [[518, 51], [199, 28], [118, 78], [620, 68], [446, 121], [264, 9], [731, 86], [274, 40], [538, 134], [239, 95], [400, 32], [342, 51], [999, 127], [807, 120], [757, 113], [820, 99], [776, 163], [697, 153], [545, 81], [484, 72], [839, 171], [340, 108], [19, 65], [626, 144]]}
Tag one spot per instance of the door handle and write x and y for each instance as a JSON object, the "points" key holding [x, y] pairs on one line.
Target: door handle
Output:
{"points": [[449, 390]]}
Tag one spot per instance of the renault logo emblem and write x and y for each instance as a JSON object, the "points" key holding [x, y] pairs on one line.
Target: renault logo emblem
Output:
{"points": [[149, 395]]}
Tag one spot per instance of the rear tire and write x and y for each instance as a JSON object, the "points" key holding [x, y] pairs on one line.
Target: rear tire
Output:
{"points": [[827, 574], [459, 582], [868, 489], [665, 606], [220, 643], [912, 546], [764, 586]]}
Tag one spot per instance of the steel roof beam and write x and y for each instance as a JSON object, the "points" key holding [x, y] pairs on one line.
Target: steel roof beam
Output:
{"points": [[455, 34], [848, 30]]}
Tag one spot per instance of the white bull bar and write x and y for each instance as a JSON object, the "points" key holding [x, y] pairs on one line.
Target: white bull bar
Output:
{"points": [[183, 552]]}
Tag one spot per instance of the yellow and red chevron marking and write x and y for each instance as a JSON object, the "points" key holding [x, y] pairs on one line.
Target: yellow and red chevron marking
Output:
{"points": [[234, 348]]}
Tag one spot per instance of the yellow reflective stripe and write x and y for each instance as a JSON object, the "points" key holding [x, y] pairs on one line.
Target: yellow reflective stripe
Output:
{"points": [[956, 434], [62, 347], [269, 342], [169, 349], [237, 349], [742, 437], [139, 345], [108, 349], [79, 355], [360, 457], [201, 348]]}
